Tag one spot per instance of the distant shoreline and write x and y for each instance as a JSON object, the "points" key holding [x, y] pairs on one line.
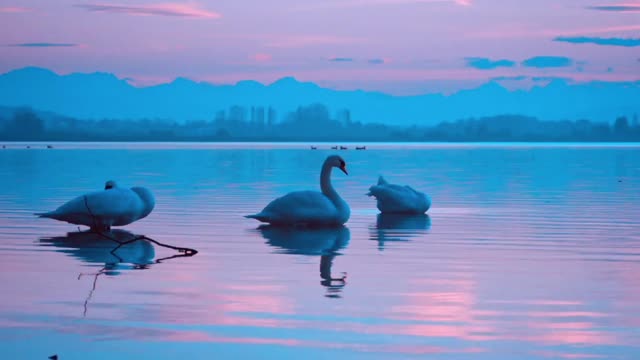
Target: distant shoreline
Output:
{"points": [[311, 142], [315, 142], [311, 124], [303, 145]]}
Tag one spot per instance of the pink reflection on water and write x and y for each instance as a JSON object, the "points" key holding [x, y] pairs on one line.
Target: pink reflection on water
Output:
{"points": [[455, 307], [452, 311], [193, 336], [564, 314], [258, 303], [559, 355], [578, 333]]}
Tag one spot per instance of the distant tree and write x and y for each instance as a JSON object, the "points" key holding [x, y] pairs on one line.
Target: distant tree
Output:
{"points": [[621, 125], [26, 125], [271, 117], [223, 134]]}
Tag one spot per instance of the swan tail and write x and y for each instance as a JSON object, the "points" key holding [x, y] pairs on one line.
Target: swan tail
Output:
{"points": [[382, 181], [49, 215], [259, 217], [53, 215]]}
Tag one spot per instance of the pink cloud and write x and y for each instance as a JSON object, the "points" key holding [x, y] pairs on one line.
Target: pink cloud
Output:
{"points": [[261, 57], [560, 355], [167, 9], [13, 9], [358, 3], [288, 41]]}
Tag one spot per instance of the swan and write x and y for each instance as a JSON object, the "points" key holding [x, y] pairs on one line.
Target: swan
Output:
{"points": [[113, 206], [399, 199], [310, 208]]}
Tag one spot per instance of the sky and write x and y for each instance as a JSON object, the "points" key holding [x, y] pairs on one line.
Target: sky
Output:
{"points": [[394, 46]]}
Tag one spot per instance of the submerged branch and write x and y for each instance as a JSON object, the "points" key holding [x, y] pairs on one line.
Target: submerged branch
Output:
{"points": [[184, 252], [93, 288]]}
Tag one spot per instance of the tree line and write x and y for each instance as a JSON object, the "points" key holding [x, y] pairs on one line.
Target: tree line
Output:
{"points": [[307, 123]]}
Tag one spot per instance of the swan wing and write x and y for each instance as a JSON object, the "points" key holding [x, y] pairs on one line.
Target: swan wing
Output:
{"points": [[303, 207], [106, 207]]}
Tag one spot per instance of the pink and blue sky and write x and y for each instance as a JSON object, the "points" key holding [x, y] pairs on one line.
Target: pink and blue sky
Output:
{"points": [[395, 46]]}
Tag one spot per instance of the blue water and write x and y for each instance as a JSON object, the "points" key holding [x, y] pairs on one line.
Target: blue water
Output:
{"points": [[529, 252]]}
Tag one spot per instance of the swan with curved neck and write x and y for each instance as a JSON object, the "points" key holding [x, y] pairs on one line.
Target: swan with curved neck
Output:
{"points": [[310, 208], [100, 210], [393, 198]]}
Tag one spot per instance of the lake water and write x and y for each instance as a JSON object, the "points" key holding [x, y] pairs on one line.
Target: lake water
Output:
{"points": [[529, 252]]}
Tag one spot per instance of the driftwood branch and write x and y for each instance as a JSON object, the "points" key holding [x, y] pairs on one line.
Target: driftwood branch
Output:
{"points": [[184, 252], [93, 288]]}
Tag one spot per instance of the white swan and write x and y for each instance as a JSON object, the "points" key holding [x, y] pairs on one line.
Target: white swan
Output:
{"points": [[310, 208], [399, 199], [113, 206]]}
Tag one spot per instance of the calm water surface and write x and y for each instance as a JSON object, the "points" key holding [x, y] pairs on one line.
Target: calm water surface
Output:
{"points": [[529, 252]]}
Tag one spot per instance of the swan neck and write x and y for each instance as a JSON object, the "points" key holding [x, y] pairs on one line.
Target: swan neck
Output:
{"points": [[325, 182]]}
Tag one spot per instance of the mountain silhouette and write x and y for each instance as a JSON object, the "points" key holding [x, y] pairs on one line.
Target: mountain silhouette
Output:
{"points": [[103, 95]]}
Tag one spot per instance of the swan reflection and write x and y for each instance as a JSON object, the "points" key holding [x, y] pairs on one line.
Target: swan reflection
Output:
{"points": [[323, 242], [399, 227], [115, 251], [95, 248]]}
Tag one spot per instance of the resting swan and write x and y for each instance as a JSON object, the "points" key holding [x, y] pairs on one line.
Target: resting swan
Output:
{"points": [[113, 206], [310, 208], [399, 199]]}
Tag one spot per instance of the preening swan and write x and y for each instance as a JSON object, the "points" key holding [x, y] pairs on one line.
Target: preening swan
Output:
{"points": [[310, 208], [113, 206], [399, 199]]}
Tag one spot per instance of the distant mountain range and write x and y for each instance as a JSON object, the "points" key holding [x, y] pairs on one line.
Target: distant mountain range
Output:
{"points": [[103, 95]]}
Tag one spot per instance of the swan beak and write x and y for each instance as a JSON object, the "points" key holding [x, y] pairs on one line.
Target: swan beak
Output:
{"points": [[344, 169]]}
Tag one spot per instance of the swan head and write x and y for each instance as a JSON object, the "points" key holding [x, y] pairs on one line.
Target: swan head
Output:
{"points": [[110, 185], [337, 161], [147, 198]]}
